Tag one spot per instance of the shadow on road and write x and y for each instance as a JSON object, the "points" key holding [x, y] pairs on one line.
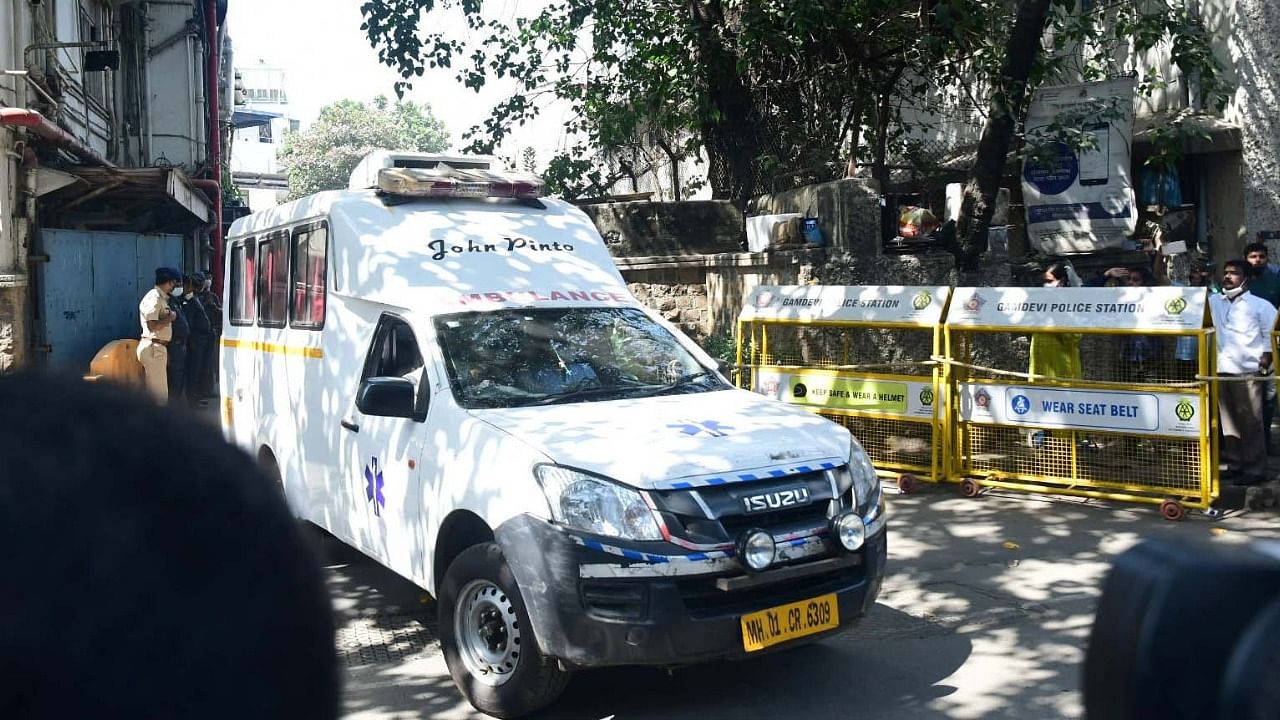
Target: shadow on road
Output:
{"points": [[985, 613]]}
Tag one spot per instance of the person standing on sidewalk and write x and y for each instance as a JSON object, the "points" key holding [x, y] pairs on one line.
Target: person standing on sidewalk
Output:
{"points": [[1264, 282], [157, 330], [198, 345], [178, 348], [208, 384], [1243, 323], [1186, 350], [1264, 275]]}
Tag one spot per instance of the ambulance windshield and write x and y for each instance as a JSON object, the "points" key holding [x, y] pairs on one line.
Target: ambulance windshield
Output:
{"points": [[515, 358]]}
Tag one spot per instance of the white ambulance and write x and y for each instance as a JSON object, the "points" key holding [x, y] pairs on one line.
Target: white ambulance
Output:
{"points": [[450, 375]]}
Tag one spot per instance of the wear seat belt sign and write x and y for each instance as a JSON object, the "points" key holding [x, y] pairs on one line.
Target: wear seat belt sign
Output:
{"points": [[1168, 414]]}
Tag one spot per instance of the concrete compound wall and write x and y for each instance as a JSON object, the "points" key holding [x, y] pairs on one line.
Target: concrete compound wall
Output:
{"points": [[848, 211], [702, 291], [1255, 41], [648, 229]]}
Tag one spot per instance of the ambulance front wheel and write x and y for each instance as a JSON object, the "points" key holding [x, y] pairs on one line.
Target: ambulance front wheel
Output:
{"points": [[970, 488], [488, 640], [908, 483]]}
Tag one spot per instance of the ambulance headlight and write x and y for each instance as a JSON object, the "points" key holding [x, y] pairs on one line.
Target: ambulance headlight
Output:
{"points": [[597, 506], [866, 483]]}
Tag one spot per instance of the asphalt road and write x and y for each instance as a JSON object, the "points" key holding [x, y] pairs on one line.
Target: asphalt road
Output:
{"points": [[985, 614]]}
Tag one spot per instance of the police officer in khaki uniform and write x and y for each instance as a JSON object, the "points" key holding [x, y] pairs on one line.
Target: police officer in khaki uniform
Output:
{"points": [[157, 329]]}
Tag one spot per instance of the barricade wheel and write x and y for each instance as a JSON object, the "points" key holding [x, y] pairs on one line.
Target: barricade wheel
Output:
{"points": [[1172, 510], [970, 488], [908, 483]]}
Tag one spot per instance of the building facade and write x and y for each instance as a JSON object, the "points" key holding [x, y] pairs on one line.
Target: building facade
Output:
{"points": [[261, 123], [1228, 171], [110, 164]]}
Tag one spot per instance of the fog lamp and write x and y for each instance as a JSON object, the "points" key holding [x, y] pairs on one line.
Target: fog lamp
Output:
{"points": [[756, 549], [849, 530]]}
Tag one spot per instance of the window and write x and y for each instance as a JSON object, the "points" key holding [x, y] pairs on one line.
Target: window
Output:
{"points": [[273, 280], [295, 125], [242, 286], [310, 246], [394, 352], [95, 16]]}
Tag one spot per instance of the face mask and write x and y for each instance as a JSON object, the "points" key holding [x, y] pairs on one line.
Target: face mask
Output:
{"points": [[1233, 293], [1053, 284], [176, 292], [188, 296]]}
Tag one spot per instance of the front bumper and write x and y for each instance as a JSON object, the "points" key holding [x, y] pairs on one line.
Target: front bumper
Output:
{"points": [[629, 611]]}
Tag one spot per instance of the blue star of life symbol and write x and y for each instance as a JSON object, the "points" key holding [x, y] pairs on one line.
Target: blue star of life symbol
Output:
{"points": [[1021, 404], [373, 486], [714, 428]]}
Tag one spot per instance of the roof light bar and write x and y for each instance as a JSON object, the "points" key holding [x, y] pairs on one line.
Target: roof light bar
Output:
{"points": [[450, 182]]}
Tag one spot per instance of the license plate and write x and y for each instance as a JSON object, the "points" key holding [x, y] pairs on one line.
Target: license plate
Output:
{"points": [[787, 622]]}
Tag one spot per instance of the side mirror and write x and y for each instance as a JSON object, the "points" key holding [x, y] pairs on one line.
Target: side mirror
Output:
{"points": [[725, 368], [386, 397]]}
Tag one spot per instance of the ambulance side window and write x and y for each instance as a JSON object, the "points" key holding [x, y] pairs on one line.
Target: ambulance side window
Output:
{"points": [[394, 353], [307, 304], [273, 280], [242, 283]]}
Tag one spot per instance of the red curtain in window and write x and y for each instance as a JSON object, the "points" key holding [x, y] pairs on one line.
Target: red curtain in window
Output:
{"points": [[317, 286], [249, 287]]}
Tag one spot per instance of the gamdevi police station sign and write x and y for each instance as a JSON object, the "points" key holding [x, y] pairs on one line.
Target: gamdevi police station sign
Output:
{"points": [[1162, 310], [1137, 311]]}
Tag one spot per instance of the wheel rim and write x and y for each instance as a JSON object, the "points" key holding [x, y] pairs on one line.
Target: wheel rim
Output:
{"points": [[488, 632]]}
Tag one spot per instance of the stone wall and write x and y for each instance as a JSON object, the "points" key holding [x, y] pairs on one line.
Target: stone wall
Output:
{"points": [[848, 211], [703, 295], [678, 292], [646, 229], [13, 343], [702, 291]]}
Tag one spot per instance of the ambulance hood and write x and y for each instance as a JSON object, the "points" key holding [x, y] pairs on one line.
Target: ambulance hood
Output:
{"points": [[650, 443]]}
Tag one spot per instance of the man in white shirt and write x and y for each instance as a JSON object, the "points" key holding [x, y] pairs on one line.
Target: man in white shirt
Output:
{"points": [[1242, 323], [157, 330]]}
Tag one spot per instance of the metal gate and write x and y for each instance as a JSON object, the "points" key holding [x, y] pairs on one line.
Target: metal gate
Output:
{"points": [[90, 287], [859, 356]]}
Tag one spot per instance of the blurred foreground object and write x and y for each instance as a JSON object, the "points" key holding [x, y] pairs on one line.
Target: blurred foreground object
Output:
{"points": [[1187, 631], [152, 571]]}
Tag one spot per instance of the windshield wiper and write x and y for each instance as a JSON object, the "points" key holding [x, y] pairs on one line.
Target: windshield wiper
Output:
{"points": [[576, 394], [680, 383]]}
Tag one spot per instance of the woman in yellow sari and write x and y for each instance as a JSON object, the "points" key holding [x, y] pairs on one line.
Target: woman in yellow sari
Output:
{"points": [[1057, 355]]}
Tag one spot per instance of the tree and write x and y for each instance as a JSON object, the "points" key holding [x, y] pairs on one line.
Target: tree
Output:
{"points": [[1088, 42], [764, 86], [1009, 102], [773, 88], [323, 156]]}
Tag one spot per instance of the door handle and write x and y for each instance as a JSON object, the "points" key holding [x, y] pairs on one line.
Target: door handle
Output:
{"points": [[351, 426]]}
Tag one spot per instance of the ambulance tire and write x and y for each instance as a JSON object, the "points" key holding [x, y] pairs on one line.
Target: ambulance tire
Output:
{"points": [[271, 468], [480, 576]]}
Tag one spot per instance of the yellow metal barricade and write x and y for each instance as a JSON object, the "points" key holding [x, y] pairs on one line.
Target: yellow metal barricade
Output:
{"points": [[1094, 392], [861, 356]]}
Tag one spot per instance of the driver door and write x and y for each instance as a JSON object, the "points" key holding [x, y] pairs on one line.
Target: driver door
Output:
{"points": [[385, 443]]}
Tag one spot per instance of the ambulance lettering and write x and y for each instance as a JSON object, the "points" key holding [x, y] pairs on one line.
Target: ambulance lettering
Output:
{"points": [[440, 249]]}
